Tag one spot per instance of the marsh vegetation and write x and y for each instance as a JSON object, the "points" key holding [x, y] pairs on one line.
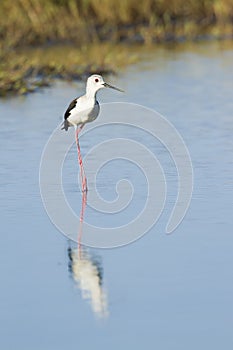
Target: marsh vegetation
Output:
{"points": [[81, 28]]}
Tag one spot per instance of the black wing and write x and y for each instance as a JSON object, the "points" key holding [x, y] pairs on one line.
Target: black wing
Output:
{"points": [[69, 109], [65, 124]]}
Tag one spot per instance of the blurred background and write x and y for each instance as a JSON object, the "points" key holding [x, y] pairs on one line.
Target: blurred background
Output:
{"points": [[89, 30], [162, 291]]}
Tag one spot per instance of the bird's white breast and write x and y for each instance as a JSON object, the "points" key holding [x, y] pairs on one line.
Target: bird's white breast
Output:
{"points": [[86, 110]]}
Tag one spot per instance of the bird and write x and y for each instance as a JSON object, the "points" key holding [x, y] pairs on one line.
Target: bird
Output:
{"points": [[82, 110]]}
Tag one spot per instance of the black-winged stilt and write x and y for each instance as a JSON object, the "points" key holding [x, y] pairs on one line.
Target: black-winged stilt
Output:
{"points": [[82, 110]]}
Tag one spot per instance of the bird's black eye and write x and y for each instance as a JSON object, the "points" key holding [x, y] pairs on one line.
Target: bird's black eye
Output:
{"points": [[96, 80]]}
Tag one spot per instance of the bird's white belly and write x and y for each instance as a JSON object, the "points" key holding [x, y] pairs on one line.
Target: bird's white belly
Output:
{"points": [[84, 115]]}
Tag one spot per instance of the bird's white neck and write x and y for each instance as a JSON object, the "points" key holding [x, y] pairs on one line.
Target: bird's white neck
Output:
{"points": [[90, 93]]}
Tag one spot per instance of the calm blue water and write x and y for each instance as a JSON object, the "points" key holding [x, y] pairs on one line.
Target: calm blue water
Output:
{"points": [[163, 291]]}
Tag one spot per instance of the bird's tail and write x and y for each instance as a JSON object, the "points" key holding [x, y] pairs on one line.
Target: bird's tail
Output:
{"points": [[65, 125]]}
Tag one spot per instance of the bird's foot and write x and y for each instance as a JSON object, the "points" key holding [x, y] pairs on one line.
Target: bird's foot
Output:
{"points": [[84, 186]]}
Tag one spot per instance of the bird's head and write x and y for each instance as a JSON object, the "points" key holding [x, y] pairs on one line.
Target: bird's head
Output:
{"points": [[96, 82]]}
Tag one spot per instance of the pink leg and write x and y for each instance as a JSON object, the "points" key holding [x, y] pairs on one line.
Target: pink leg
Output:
{"points": [[84, 185], [82, 172], [80, 231]]}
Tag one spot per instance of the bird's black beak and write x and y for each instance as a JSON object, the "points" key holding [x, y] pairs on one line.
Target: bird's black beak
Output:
{"points": [[112, 87]]}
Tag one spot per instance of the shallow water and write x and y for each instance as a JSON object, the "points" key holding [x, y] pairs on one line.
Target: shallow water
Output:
{"points": [[166, 291]]}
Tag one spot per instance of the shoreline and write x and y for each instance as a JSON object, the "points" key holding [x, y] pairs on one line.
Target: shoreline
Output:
{"points": [[31, 68]]}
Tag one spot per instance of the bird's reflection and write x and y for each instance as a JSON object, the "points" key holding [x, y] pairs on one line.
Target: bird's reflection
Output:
{"points": [[87, 272]]}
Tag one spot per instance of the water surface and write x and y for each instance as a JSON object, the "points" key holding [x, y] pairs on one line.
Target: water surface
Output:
{"points": [[163, 291]]}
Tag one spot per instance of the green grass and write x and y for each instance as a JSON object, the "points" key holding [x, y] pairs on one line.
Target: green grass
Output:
{"points": [[26, 22], [26, 70], [93, 28]]}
